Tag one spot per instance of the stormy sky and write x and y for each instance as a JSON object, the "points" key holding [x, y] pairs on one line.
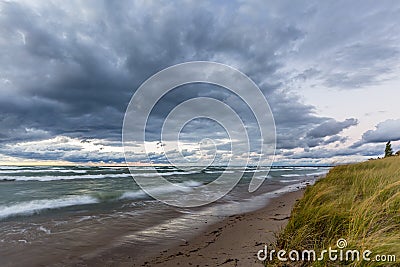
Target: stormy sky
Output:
{"points": [[68, 69]]}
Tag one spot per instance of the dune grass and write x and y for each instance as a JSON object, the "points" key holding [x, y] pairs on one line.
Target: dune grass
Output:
{"points": [[357, 202]]}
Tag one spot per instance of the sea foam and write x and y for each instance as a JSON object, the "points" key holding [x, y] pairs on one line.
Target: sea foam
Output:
{"points": [[36, 206]]}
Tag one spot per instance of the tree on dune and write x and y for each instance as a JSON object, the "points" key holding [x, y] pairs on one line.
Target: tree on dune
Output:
{"points": [[388, 150]]}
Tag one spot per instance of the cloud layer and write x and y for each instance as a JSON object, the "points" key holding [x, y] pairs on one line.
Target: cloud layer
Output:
{"points": [[69, 69], [388, 130]]}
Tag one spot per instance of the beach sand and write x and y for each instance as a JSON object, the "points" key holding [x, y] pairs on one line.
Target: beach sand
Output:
{"points": [[234, 241]]}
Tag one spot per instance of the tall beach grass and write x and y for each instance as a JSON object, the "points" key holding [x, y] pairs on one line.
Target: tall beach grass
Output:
{"points": [[357, 202]]}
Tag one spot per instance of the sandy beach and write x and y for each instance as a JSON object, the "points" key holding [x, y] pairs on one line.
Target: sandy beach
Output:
{"points": [[231, 242]]}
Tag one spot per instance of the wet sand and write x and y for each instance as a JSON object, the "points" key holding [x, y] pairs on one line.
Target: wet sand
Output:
{"points": [[231, 242]]}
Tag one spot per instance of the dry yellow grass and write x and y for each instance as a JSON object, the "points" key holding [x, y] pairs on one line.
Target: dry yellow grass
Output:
{"points": [[358, 202]]}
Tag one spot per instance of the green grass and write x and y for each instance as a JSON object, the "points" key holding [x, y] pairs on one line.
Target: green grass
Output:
{"points": [[358, 202]]}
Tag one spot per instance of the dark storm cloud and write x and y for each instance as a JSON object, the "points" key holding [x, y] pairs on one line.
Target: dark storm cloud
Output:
{"points": [[82, 63], [388, 130], [320, 134], [350, 45], [325, 153], [385, 131], [71, 68], [331, 127], [57, 80]]}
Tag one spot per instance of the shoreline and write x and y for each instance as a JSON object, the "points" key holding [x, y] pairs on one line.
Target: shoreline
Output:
{"points": [[234, 241]]}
